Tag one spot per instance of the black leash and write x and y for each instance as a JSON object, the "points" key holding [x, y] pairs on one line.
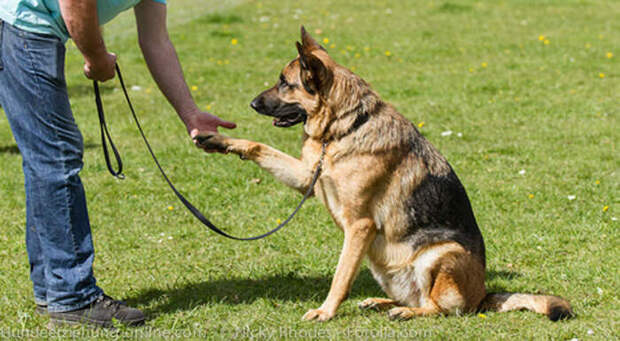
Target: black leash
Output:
{"points": [[188, 205]]}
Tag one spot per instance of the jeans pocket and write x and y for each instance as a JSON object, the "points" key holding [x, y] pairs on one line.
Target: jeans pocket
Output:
{"points": [[47, 55]]}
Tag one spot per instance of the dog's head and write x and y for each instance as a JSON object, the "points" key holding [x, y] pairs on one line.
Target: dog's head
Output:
{"points": [[303, 86]]}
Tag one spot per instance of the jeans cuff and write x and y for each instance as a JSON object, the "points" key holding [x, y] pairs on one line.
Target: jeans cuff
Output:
{"points": [[56, 308], [40, 301]]}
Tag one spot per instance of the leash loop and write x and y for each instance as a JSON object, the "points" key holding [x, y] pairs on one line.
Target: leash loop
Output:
{"points": [[186, 202], [105, 135]]}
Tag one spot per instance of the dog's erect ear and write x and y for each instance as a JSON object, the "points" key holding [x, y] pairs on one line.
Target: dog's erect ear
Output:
{"points": [[308, 43], [300, 50], [315, 75]]}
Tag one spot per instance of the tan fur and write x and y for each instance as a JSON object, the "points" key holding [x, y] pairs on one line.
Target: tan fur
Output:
{"points": [[368, 172]]}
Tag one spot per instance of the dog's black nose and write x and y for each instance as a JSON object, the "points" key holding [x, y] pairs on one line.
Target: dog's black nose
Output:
{"points": [[256, 104]]}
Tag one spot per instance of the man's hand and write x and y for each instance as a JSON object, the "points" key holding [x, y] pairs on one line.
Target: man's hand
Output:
{"points": [[204, 122], [80, 17], [100, 68]]}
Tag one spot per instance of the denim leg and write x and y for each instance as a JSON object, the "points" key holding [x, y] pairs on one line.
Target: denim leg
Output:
{"points": [[34, 96], [35, 257]]}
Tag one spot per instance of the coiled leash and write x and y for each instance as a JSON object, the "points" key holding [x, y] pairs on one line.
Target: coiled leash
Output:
{"points": [[118, 173]]}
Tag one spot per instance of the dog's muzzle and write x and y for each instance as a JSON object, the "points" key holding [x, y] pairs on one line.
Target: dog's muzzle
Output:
{"points": [[284, 114]]}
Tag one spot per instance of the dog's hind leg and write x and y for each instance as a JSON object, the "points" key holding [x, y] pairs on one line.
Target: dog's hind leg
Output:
{"points": [[450, 280], [405, 313], [378, 304]]}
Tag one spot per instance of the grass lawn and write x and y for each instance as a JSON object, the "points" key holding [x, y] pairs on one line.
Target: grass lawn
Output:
{"points": [[529, 89]]}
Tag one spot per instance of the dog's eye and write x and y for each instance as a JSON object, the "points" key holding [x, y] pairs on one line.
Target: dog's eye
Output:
{"points": [[283, 82]]}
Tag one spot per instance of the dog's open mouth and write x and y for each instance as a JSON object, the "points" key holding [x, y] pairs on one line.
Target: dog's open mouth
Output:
{"points": [[289, 120]]}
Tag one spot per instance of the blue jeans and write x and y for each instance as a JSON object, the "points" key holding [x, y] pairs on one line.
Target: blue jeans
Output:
{"points": [[33, 93]]}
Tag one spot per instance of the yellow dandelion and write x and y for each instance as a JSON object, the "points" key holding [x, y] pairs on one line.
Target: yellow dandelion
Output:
{"points": [[234, 41], [226, 61], [484, 64], [482, 316], [588, 45], [357, 55], [541, 37], [170, 208], [208, 107], [388, 53], [516, 99], [605, 208], [531, 196], [609, 55], [573, 91], [598, 182], [546, 42], [325, 41], [601, 75], [421, 124], [350, 48], [194, 88], [219, 62], [471, 69], [148, 90], [278, 221], [332, 46], [366, 48], [353, 68], [600, 36]]}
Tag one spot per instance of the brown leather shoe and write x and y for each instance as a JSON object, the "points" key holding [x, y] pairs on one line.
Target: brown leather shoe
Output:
{"points": [[101, 313]]}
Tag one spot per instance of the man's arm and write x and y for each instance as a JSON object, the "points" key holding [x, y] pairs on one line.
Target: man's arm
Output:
{"points": [[81, 19], [163, 63]]}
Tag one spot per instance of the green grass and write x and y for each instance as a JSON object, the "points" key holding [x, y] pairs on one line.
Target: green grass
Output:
{"points": [[542, 108]]}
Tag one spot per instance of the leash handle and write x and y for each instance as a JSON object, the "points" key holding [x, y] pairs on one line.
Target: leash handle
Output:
{"points": [[186, 202], [105, 134]]}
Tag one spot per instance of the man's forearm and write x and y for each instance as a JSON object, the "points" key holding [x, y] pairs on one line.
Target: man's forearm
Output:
{"points": [[163, 63], [81, 19], [162, 60]]}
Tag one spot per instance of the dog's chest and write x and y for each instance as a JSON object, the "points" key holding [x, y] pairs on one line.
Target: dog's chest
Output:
{"points": [[327, 190]]}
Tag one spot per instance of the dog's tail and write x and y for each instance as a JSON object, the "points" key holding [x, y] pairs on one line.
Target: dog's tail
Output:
{"points": [[556, 308]]}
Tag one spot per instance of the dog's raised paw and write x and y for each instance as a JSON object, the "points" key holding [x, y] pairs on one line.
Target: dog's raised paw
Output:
{"points": [[212, 142], [317, 315]]}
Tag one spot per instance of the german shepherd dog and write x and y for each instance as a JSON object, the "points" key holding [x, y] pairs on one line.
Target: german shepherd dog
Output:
{"points": [[392, 193]]}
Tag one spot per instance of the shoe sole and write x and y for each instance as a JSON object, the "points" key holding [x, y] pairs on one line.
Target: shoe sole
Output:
{"points": [[93, 323]]}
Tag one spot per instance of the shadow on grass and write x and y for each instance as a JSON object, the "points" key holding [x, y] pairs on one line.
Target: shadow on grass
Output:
{"points": [[501, 274], [493, 276], [12, 149], [284, 287]]}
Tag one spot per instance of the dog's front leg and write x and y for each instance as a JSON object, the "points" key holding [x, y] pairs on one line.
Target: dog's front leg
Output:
{"points": [[287, 169], [357, 240]]}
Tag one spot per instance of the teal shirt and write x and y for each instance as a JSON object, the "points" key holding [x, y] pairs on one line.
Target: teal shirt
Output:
{"points": [[43, 16]]}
